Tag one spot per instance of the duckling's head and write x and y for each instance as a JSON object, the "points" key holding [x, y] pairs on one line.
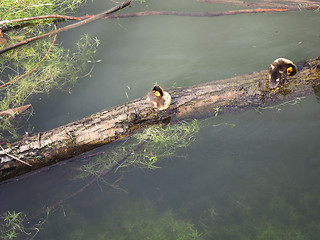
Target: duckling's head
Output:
{"points": [[284, 65], [157, 91], [291, 70]]}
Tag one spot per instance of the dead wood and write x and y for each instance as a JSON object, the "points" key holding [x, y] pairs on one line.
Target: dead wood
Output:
{"points": [[198, 14], [17, 110], [262, 7], [291, 5], [230, 95]]}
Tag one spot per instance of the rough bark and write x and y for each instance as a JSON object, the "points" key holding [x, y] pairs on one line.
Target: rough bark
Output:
{"points": [[230, 95]]}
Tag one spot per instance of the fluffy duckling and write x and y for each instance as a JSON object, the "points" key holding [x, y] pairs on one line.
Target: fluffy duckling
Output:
{"points": [[158, 98], [279, 70]]}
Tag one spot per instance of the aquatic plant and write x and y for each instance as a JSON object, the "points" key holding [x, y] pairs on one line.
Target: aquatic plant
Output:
{"points": [[135, 221], [217, 109], [166, 140], [295, 101], [40, 66], [160, 142], [13, 225]]}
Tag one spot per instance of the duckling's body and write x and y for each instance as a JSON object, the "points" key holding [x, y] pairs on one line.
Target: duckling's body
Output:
{"points": [[279, 70], [158, 98]]}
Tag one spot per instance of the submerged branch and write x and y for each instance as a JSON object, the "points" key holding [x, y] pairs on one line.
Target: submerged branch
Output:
{"points": [[262, 7], [292, 5], [148, 13], [67, 28], [276, 7], [198, 14], [107, 171]]}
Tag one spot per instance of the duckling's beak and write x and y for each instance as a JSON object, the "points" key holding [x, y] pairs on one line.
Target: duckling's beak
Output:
{"points": [[156, 93], [289, 70]]}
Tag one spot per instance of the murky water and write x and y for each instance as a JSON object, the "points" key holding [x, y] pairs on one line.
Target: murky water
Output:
{"points": [[253, 175]]}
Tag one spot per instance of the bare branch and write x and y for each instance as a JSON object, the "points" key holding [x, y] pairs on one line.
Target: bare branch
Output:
{"points": [[67, 28], [291, 4], [199, 14], [44, 17]]}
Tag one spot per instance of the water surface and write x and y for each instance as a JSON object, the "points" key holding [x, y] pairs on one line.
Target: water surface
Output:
{"points": [[253, 175]]}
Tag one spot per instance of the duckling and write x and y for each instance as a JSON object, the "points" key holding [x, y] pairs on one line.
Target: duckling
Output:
{"points": [[279, 70], [158, 98]]}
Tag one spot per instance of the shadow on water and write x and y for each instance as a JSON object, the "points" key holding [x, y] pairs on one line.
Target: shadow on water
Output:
{"points": [[253, 175]]}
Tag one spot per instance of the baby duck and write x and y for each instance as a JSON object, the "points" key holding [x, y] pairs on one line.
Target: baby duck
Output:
{"points": [[279, 70], [158, 98]]}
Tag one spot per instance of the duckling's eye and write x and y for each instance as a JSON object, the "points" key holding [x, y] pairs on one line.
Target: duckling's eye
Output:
{"points": [[289, 70], [157, 93]]}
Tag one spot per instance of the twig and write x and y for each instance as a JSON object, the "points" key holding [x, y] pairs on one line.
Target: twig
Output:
{"points": [[31, 6], [44, 17], [64, 29], [14, 80], [199, 14], [15, 110], [8, 10], [9, 155], [117, 164], [39, 139]]}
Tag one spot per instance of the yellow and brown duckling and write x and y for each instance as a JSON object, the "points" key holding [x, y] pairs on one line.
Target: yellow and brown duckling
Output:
{"points": [[158, 98], [279, 70]]}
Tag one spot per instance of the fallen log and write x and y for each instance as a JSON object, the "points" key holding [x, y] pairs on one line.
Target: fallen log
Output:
{"points": [[230, 95]]}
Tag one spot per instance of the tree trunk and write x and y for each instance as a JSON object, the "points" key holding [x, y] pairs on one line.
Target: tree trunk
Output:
{"points": [[230, 95]]}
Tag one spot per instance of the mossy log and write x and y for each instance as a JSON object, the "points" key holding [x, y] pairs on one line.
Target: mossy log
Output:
{"points": [[230, 95]]}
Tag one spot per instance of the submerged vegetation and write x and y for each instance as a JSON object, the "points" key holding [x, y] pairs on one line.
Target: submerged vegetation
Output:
{"points": [[160, 142], [269, 202], [40, 66], [134, 221], [13, 226], [144, 221]]}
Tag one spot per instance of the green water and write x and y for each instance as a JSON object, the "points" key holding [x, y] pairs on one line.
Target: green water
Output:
{"points": [[253, 175]]}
